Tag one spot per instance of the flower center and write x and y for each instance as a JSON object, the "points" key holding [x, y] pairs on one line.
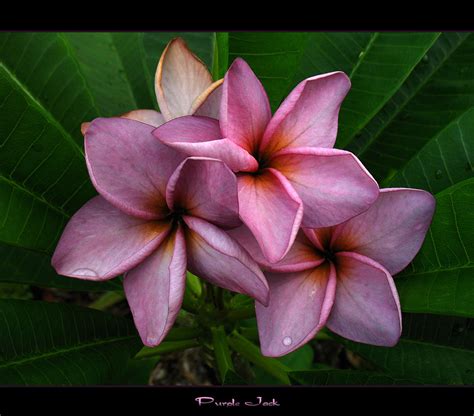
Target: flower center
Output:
{"points": [[177, 214], [263, 163], [329, 255]]}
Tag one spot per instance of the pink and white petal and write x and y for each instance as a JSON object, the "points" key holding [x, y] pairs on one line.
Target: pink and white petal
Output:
{"points": [[333, 185], [272, 210], [217, 258], [309, 115], [129, 167], [245, 109], [155, 289], [299, 306], [151, 117], [101, 242], [392, 230], [208, 104], [301, 256], [366, 308], [205, 188], [180, 78], [201, 136]]}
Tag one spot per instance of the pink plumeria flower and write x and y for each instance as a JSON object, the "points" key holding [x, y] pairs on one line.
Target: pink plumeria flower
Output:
{"points": [[183, 86], [157, 214], [282, 162], [341, 276]]}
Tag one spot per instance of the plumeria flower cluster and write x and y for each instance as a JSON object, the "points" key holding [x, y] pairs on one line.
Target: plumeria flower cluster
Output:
{"points": [[257, 204]]}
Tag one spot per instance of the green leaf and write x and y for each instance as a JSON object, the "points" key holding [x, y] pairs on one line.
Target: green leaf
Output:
{"points": [[377, 64], [345, 377], [274, 57], [179, 338], [42, 170], [107, 300], [53, 343], [444, 161], [220, 59], [433, 350], [438, 91], [166, 347], [252, 353], [382, 67], [120, 67], [439, 280], [222, 353], [331, 51], [299, 360]]}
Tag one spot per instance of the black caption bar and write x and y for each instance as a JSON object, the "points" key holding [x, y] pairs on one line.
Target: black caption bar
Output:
{"points": [[52, 401]]}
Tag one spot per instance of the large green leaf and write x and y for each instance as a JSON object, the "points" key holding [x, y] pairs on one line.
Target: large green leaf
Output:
{"points": [[433, 350], [120, 68], [444, 161], [52, 343], [439, 280], [274, 57], [439, 90], [377, 64]]}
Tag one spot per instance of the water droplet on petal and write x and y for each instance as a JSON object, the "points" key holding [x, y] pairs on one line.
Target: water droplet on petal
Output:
{"points": [[152, 340], [287, 341], [361, 54], [85, 272], [438, 174]]}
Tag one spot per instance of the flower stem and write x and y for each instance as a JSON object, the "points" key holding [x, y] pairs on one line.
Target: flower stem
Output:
{"points": [[107, 300], [167, 346]]}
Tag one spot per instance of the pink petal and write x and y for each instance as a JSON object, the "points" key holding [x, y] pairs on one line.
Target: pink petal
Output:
{"points": [[366, 308], [333, 185], [392, 231], [309, 115], [272, 210], [245, 109], [155, 289], [216, 257], [201, 136], [180, 78], [129, 167], [301, 256], [209, 102], [299, 306], [100, 242], [151, 117], [205, 188]]}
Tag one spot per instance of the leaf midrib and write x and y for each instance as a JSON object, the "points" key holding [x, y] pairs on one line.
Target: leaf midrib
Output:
{"points": [[410, 97], [447, 269], [62, 351], [37, 104]]}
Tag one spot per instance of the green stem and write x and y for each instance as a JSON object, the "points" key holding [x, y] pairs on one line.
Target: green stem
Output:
{"points": [[107, 300], [167, 346], [252, 353], [222, 355]]}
